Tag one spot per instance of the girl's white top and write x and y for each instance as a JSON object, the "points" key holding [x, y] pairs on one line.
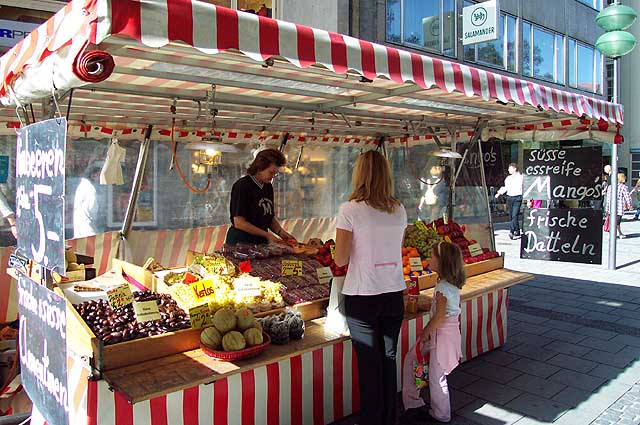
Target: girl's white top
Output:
{"points": [[452, 294]]}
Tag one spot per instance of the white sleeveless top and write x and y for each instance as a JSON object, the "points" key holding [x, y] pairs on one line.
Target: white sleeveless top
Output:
{"points": [[452, 294]]}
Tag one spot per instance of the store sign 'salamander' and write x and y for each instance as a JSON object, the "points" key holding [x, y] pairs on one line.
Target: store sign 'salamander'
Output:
{"points": [[480, 22]]}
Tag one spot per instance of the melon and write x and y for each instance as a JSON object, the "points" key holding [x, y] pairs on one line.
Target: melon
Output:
{"points": [[211, 338], [244, 318], [253, 337], [224, 320], [233, 341]]}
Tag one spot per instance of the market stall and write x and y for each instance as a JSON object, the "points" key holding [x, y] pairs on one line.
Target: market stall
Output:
{"points": [[188, 72]]}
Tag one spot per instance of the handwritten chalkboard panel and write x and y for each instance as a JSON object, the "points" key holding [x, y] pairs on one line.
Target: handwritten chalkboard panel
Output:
{"points": [[40, 177], [572, 235], [494, 172], [43, 349], [571, 173]]}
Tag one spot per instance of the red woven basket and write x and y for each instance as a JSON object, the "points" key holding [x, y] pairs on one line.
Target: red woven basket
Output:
{"points": [[231, 356]]}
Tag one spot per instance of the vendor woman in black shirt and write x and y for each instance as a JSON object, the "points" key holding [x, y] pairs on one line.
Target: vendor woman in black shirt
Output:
{"points": [[252, 208]]}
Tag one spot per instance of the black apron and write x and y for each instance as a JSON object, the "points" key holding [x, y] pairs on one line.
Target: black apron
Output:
{"points": [[237, 236]]}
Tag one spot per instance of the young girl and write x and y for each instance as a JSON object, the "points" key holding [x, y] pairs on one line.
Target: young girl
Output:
{"points": [[439, 344]]}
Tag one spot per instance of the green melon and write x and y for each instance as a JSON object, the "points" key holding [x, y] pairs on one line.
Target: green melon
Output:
{"points": [[211, 338], [253, 337], [224, 320], [233, 341], [245, 319]]}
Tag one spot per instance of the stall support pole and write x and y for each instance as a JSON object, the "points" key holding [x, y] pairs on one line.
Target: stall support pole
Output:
{"points": [[452, 166], [137, 183], [613, 200], [486, 194]]}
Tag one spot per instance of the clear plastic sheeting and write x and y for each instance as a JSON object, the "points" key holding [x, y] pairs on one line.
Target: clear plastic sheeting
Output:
{"points": [[315, 182]]}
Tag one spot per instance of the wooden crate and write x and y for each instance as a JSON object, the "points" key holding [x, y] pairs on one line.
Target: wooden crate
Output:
{"points": [[485, 266]]}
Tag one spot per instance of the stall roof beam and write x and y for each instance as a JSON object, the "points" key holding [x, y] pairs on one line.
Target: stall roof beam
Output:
{"points": [[252, 101]]}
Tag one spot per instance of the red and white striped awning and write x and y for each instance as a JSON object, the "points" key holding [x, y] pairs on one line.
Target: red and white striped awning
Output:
{"points": [[407, 86]]}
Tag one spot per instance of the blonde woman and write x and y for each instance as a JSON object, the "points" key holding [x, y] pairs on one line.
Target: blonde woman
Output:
{"points": [[623, 199], [369, 234]]}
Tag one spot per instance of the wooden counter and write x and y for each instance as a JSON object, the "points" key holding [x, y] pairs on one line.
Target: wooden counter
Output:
{"points": [[180, 371]]}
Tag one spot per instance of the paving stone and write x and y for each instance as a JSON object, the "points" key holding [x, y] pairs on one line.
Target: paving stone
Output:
{"points": [[627, 340], [459, 379], [538, 386], [561, 326], [565, 336], [492, 391], [594, 315], [530, 328], [533, 367], [536, 320], [572, 363], [601, 344], [567, 348], [530, 421], [528, 338], [569, 310], [533, 352], [606, 371], [577, 379], [627, 313], [484, 412], [629, 322], [577, 417], [597, 333], [537, 407], [597, 307], [572, 397], [460, 399], [500, 358], [617, 360], [494, 372], [630, 376]]}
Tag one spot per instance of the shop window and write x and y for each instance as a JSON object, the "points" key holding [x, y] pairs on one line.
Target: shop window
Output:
{"points": [[424, 24], [499, 53], [542, 53], [635, 169], [585, 67], [596, 4], [394, 21], [609, 76]]}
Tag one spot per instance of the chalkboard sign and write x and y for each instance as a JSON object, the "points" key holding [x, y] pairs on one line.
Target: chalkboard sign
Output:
{"points": [[571, 173], [4, 168], [43, 349], [494, 172], [40, 192], [572, 235]]}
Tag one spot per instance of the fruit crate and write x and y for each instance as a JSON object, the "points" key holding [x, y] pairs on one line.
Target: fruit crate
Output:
{"points": [[83, 342], [485, 266]]}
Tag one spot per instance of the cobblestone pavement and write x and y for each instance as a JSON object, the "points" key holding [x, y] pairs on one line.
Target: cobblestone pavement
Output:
{"points": [[572, 355]]}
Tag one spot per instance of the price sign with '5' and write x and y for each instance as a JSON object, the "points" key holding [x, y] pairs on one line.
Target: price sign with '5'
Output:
{"points": [[40, 175]]}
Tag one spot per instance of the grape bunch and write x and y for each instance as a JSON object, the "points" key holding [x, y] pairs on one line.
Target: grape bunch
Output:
{"points": [[422, 239]]}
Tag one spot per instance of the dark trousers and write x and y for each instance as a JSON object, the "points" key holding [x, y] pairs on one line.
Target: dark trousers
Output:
{"points": [[374, 322], [514, 203]]}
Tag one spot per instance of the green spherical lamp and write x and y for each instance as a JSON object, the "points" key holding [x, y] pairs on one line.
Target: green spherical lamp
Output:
{"points": [[616, 17], [616, 44]]}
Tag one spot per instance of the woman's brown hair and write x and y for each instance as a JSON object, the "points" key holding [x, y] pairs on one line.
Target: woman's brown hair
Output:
{"points": [[451, 263], [372, 182], [265, 159]]}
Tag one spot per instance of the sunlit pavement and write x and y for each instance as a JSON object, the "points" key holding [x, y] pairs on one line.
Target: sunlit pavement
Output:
{"points": [[572, 350]]}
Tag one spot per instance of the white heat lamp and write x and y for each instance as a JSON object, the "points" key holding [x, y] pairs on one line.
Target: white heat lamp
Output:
{"points": [[446, 153]]}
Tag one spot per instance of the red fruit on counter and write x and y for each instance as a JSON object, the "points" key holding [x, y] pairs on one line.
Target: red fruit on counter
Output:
{"points": [[486, 250]]}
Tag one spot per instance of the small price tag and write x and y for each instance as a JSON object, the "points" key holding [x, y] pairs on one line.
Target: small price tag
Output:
{"points": [[291, 268], [324, 275], [416, 264], [146, 311], [220, 265], [421, 226], [332, 248], [202, 289], [120, 296], [249, 288], [475, 249], [200, 316], [445, 218]]}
